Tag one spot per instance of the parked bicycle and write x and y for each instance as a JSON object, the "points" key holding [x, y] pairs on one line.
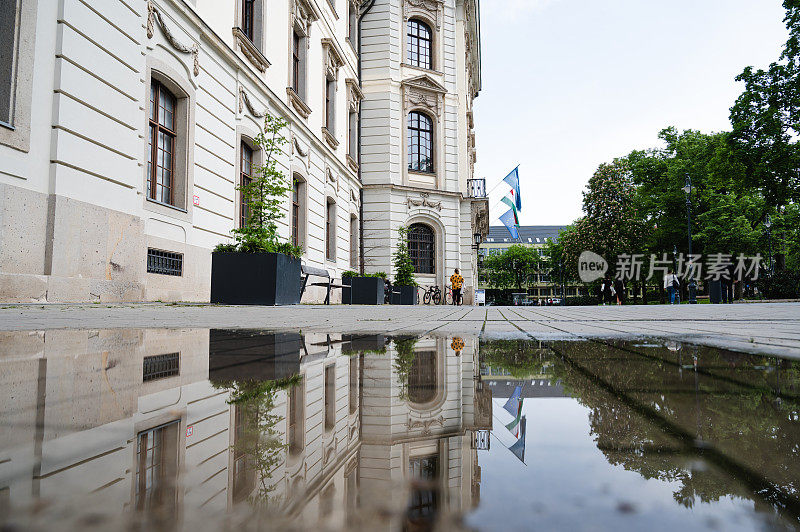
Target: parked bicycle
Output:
{"points": [[433, 293]]}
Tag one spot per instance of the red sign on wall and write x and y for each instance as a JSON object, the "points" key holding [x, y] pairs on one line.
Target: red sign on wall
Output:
{"points": [[196, 199], [189, 430]]}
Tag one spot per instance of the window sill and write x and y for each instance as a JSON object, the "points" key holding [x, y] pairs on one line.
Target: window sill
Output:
{"points": [[167, 205], [298, 103], [420, 172], [7, 125], [351, 162], [423, 69], [250, 51], [330, 138]]}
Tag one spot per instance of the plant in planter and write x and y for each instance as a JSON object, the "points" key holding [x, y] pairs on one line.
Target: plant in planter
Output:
{"points": [[363, 289], [258, 268], [404, 291]]}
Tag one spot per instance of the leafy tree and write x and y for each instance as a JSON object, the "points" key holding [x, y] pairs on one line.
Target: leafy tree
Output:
{"points": [[512, 268], [403, 267], [764, 119], [264, 196]]}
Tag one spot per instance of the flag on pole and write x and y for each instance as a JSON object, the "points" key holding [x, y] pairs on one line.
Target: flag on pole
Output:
{"points": [[512, 405], [509, 221], [508, 201], [519, 447], [513, 427], [513, 180]]}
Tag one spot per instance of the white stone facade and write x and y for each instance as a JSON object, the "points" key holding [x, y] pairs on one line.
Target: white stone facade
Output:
{"points": [[76, 213]]}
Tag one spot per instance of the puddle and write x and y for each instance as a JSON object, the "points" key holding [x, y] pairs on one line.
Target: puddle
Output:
{"points": [[253, 430]]}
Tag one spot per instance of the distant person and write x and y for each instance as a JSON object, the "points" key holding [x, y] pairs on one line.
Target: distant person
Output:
{"points": [[673, 285], [727, 284], [608, 291], [619, 288], [456, 282]]}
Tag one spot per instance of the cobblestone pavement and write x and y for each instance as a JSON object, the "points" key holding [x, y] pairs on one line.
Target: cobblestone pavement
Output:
{"points": [[770, 328]]}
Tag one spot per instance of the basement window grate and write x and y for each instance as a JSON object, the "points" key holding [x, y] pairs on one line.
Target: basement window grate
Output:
{"points": [[160, 366], [164, 262]]}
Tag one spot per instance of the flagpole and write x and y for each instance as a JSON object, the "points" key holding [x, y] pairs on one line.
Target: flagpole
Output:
{"points": [[501, 181]]}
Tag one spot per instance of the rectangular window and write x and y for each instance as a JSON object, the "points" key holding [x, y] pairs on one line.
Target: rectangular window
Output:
{"points": [[246, 176], [352, 134], [296, 213], [330, 228], [330, 104], [297, 41], [352, 24], [353, 242], [157, 468], [423, 500], [296, 419], [330, 397], [161, 366], [164, 262], [161, 153], [248, 18], [9, 22], [354, 380]]}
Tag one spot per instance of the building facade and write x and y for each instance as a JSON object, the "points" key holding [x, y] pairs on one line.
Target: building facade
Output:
{"points": [[126, 127], [420, 73]]}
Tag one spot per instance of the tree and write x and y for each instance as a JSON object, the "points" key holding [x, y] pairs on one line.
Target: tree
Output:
{"points": [[403, 267], [264, 196], [765, 119], [512, 268]]}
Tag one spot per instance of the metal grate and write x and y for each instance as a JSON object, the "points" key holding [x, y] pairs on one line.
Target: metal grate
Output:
{"points": [[482, 441], [164, 262], [160, 366], [421, 248]]}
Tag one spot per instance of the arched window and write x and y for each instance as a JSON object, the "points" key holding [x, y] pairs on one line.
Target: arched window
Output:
{"points": [[419, 44], [245, 177], [420, 142], [161, 154], [421, 248]]}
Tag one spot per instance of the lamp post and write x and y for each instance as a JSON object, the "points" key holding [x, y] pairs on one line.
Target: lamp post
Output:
{"points": [[687, 188], [768, 225]]}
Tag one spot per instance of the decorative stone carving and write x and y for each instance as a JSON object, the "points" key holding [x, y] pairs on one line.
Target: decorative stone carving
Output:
{"points": [[352, 163], [153, 16], [244, 101], [303, 15], [354, 95], [424, 92], [430, 9], [333, 59], [425, 425], [423, 202], [250, 51], [298, 148], [298, 103], [330, 139]]}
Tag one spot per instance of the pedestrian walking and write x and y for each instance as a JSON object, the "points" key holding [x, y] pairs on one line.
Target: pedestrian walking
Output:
{"points": [[727, 284], [608, 290], [456, 282], [619, 289], [673, 286]]}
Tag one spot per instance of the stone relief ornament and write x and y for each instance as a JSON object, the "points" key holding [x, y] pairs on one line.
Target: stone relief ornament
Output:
{"points": [[244, 100], [303, 15], [424, 425], [431, 9], [424, 92], [354, 94], [333, 60], [153, 16], [423, 202]]}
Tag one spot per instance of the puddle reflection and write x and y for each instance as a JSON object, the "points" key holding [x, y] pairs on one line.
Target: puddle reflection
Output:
{"points": [[225, 429]]}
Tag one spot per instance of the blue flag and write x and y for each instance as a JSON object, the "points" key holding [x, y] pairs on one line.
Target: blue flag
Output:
{"points": [[508, 220], [513, 180], [512, 405], [519, 447]]}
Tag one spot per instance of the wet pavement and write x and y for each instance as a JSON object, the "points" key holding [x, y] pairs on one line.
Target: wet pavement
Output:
{"points": [[252, 429]]}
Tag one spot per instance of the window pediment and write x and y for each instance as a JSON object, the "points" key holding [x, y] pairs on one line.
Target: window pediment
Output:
{"points": [[303, 15], [354, 94], [424, 92], [427, 9], [333, 59]]}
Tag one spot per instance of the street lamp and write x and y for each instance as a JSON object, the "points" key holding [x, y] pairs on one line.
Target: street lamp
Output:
{"points": [[768, 225], [687, 188]]}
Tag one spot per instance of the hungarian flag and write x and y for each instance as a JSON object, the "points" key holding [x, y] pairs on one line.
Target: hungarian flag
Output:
{"points": [[513, 427], [519, 447], [508, 201], [513, 181]]}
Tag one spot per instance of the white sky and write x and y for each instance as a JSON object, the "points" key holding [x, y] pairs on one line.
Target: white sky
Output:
{"points": [[569, 84]]}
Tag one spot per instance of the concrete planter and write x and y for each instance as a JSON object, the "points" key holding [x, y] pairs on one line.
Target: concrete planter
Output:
{"points": [[255, 279], [363, 290], [404, 295]]}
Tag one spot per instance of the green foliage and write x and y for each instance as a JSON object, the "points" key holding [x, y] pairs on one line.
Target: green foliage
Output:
{"points": [[404, 358], [522, 359], [403, 267], [513, 268], [783, 284], [264, 196], [351, 273]]}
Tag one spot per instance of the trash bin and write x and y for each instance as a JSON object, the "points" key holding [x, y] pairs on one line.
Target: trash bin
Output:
{"points": [[715, 291]]}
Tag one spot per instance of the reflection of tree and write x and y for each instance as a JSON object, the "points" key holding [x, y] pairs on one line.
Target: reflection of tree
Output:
{"points": [[258, 442], [403, 360], [520, 358], [649, 407]]}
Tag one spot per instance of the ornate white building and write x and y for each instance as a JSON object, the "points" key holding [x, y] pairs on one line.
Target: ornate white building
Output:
{"points": [[126, 126]]}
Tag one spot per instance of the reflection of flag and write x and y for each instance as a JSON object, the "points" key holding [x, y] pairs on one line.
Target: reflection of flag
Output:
{"points": [[513, 180], [519, 448], [513, 427], [512, 405], [509, 221]]}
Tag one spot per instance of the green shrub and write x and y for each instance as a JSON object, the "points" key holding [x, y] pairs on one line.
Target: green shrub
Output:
{"points": [[404, 268], [783, 284]]}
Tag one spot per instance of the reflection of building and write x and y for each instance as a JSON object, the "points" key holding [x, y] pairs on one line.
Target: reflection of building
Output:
{"points": [[532, 236], [141, 419]]}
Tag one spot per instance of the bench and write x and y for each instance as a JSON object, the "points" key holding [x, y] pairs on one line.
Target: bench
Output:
{"points": [[309, 271]]}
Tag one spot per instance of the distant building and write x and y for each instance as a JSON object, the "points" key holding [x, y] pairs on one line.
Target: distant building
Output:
{"points": [[535, 236]]}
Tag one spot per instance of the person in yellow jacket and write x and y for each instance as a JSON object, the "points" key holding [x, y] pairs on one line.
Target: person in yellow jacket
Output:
{"points": [[456, 282]]}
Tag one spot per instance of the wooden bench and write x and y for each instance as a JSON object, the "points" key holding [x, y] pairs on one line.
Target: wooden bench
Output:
{"points": [[309, 271]]}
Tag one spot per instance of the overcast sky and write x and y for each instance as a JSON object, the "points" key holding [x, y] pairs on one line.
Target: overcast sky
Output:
{"points": [[569, 84]]}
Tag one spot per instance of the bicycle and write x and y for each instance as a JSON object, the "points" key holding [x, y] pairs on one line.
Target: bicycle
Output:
{"points": [[432, 293], [448, 295]]}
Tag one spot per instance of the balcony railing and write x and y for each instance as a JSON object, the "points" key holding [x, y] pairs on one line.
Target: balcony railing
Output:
{"points": [[476, 188]]}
